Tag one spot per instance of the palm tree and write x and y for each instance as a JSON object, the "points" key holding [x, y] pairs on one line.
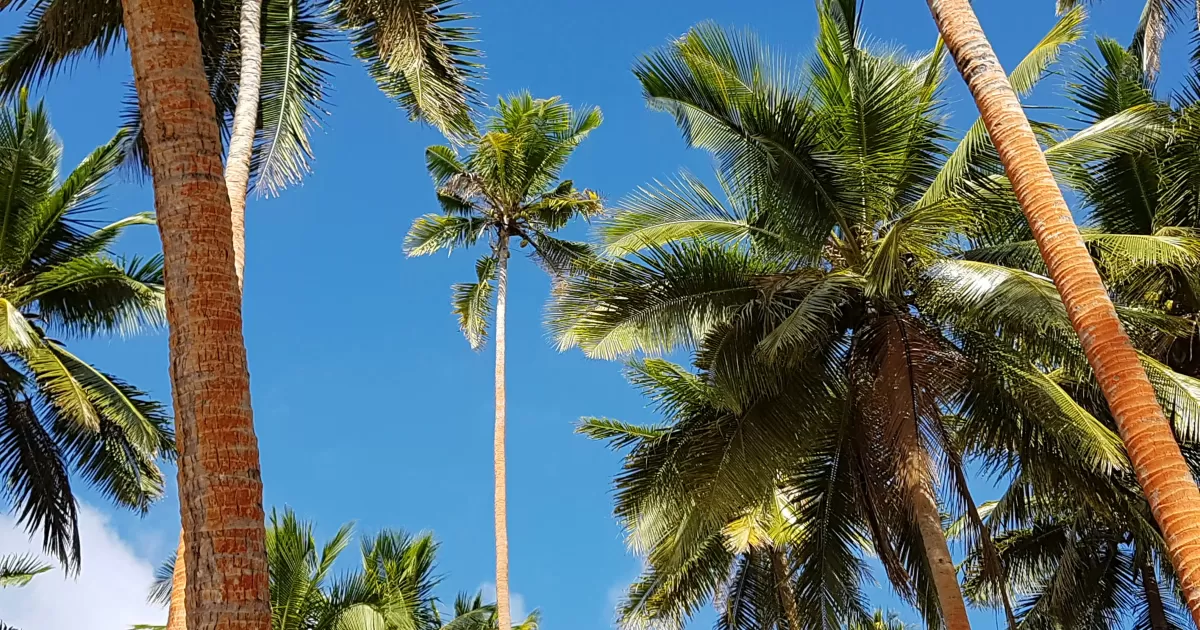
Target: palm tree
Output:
{"points": [[18, 571], [392, 590], [59, 414], [828, 298], [506, 187], [470, 613], [1153, 451]]}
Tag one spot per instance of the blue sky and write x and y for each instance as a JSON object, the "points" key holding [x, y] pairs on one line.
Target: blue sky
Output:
{"points": [[369, 404]]}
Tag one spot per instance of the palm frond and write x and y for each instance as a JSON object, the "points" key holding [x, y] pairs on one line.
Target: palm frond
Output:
{"points": [[36, 481], [420, 54], [433, 232], [473, 302], [19, 570], [292, 93]]}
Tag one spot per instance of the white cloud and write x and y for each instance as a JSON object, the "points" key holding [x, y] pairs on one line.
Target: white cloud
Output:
{"points": [[516, 601], [108, 594]]}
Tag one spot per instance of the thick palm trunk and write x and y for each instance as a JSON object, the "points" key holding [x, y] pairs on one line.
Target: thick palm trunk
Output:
{"points": [[237, 183], [219, 483], [245, 120], [783, 588], [933, 538], [1160, 467], [503, 613]]}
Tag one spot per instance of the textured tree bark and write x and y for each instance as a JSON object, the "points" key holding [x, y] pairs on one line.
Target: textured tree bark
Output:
{"points": [[933, 538], [503, 612], [1156, 458], [237, 182], [219, 483], [783, 588], [177, 612], [245, 120]]}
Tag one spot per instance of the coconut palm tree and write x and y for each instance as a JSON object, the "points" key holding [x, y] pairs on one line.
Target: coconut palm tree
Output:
{"points": [[470, 613], [392, 589], [828, 297], [59, 415], [506, 187], [1153, 451]]}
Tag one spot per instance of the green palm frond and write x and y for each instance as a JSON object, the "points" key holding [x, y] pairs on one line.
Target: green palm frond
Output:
{"points": [[729, 95], [619, 434], [1139, 129], [56, 34], [678, 210], [19, 570], [292, 93], [164, 575], [95, 294], [37, 482], [419, 53], [432, 233], [658, 300], [473, 302]]}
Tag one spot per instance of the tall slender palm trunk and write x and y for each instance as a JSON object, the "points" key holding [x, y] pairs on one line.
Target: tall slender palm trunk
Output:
{"points": [[783, 587], [219, 481], [245, 121], [1160, 467], [503, 613], [237, 183], [928, 517]]}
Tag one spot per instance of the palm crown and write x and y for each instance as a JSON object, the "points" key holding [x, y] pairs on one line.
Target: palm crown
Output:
{"points": [[507, 187], [837, 314], [57, 412]]}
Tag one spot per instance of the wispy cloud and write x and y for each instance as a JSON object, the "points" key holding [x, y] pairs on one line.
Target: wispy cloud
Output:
{"points": [[108, 594]]}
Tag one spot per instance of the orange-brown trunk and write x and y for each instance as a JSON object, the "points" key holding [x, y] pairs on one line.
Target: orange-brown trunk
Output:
{"points": [[500, 476], [177, 613], [1156, 458], [219, 484], [923, 504]]}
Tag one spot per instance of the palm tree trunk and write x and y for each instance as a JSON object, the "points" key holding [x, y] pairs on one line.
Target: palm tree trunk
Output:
{"points": [[1160, 467], [503, 613], [177, 613], [1154, 602], [783, 588], [245, 121], [990, 554], [237, 182], [219, 484], [937, 551]]}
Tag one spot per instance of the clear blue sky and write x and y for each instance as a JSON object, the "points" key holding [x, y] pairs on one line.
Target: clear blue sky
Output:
{"points": [[369, 404]]}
